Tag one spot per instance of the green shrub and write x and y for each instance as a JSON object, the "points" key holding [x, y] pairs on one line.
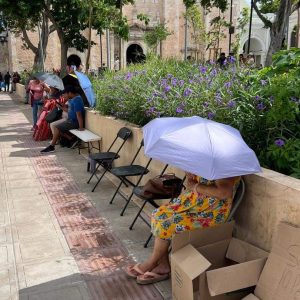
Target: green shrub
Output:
{"points": [[263, 105]]}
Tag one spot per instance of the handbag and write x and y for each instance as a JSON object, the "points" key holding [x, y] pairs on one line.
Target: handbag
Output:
{"points": [[53, 115], [162, 187]]}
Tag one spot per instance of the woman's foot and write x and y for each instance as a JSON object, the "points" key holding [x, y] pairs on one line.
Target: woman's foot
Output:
{"points": [[133, 271], [159, 273], [151, 277]]}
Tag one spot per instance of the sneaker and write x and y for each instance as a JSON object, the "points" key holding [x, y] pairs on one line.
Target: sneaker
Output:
{"points": [[74, 143], [49, 149]]}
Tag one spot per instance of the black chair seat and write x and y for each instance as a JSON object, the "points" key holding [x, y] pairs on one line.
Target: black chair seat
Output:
{"points": [[138, 191], [104, 156], [132, 170]]}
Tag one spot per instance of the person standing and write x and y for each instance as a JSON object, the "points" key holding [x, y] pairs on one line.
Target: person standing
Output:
{"points": [[117, 64], [15, 79], [1, 81], [7, 78], [36, 90]]}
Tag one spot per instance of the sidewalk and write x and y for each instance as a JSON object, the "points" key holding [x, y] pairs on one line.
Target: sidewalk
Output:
{"points": [[57, 239]]}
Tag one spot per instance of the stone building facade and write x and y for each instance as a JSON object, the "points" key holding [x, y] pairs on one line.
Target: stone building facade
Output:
{"points": [[15, 57]]}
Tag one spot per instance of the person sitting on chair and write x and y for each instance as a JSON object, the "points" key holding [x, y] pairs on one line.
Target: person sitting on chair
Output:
{"points": [[75, 118], [203, 204]]}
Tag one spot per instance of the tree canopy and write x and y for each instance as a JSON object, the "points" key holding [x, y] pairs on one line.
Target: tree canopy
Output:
{"points": [[69, 18]]}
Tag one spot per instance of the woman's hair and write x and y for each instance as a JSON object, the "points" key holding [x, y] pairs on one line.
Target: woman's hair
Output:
{"points": [[74, 60]]}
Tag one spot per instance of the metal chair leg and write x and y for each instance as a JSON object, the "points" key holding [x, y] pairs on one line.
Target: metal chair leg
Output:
{"points": [[148, 240], [99, 180], [113, 197], [137, 215], [94, 173], [125, 207]]}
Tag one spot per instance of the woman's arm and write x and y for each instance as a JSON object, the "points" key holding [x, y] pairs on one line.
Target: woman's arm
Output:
{"points": [[221, 189]]}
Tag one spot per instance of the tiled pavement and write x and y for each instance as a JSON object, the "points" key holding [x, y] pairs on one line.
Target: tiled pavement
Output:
{"points": [[57, 239]]}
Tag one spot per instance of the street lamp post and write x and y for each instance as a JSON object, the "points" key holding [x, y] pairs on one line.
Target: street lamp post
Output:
{"points": [[250, 27]]}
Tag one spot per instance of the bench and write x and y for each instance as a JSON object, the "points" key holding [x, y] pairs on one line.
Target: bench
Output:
{"points": [[87, 137]]}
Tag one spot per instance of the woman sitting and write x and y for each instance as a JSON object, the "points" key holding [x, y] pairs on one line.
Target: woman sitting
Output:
{"points": [[203, 204]]}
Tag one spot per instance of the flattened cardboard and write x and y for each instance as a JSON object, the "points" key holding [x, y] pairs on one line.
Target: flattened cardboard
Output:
{"points": [[280, 278], [202, 237], [186, 265], [250, 297], [235, 277]]}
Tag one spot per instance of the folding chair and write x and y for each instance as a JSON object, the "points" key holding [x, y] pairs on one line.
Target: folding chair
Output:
{"points": [[133, 192], [105, 159], [138, 191], [238, 197], [129, 171]]}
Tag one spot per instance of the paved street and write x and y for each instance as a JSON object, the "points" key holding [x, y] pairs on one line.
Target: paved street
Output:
{"points": [[57, 239]]}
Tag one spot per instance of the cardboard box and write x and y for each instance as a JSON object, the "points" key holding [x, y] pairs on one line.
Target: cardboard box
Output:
{"points": [[209, 264], [250, 297], [280, 278]]}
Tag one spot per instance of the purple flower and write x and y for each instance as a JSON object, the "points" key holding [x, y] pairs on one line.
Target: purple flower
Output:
{"points": [[232, 59], [218, 98], [191, 81], [271, 99], [257, 98], [210, 115], [155, 94], [205, 104], [213, 72], [179, 110], [181, 83], [294, 99], [279, 142], [228, 84], [263, 82], [128, 76], [260, 106], [169, 75], [167, 89], [203, 69], [164, 82], [174, 81], [231, 104], [187, 92]]}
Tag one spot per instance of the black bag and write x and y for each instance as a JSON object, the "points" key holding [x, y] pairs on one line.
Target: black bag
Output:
{"points": [[163, 187], [54, 115]]}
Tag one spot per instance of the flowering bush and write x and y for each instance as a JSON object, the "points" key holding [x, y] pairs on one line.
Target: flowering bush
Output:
{"points": [[250, 101]]}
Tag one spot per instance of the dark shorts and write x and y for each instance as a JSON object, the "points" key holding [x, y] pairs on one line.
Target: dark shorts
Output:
{"points": [[64, 127]]}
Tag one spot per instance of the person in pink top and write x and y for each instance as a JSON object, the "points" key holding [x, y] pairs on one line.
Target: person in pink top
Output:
{"points": [[36, 90]]}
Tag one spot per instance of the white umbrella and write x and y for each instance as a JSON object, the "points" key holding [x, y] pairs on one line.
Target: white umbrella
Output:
{"points": [[203, 147]]}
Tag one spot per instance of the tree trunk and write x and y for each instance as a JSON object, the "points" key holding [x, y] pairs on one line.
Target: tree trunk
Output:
{"points": [[63, 57], [88, 56], [277, 31]]}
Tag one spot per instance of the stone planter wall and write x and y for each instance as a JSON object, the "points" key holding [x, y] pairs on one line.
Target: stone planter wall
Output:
{"points": [[20, 91], [270, 197]]}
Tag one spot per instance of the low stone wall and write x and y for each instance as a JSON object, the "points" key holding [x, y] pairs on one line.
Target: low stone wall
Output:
{"points": [[270, 197], [20, 91]]}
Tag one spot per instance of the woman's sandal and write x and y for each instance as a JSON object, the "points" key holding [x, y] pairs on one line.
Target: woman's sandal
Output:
{"points": [[150, 277], [133, 271]]}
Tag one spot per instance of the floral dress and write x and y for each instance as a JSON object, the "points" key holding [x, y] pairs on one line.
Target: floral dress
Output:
{"points": [[191, 210]]}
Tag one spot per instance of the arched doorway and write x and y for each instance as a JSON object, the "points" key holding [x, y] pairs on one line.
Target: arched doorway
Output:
{"points": [[135, 54]]}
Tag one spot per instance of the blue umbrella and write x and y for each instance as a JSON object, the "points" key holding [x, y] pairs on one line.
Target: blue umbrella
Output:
{"points": [[86, 86]]}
